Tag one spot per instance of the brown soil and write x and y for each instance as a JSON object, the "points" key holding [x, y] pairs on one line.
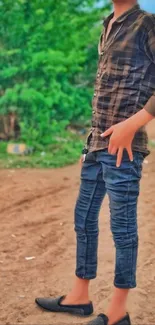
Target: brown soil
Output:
{"points": [[37, 220]]}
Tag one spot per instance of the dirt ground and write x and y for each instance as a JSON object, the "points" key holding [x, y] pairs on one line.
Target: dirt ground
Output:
{"points": [[36, 209]]}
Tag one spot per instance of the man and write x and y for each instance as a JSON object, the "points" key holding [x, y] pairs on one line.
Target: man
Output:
{"points": [[125, 84]]}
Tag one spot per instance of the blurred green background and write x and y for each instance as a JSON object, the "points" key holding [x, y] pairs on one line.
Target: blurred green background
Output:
{"points": [[48, 59]]}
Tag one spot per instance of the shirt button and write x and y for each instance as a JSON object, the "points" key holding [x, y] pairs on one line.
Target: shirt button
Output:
{"points": [[98, 74]]}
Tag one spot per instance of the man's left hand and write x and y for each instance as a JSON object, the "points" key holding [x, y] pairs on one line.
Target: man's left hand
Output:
{"points": [[122, 135]]}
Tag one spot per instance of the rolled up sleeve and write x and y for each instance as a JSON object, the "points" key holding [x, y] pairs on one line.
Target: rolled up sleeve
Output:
{"points": [[150, 51]]}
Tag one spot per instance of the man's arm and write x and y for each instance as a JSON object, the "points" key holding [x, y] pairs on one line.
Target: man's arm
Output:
{"points": [[150, 52]]}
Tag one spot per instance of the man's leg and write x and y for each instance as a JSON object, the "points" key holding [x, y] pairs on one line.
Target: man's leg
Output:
{"points": [[92, 192], [123, 189]]}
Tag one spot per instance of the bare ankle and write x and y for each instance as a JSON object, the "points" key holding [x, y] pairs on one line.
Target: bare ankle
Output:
{"points": [[116, 317], [79, 293], [117, 306], [75, 300]]}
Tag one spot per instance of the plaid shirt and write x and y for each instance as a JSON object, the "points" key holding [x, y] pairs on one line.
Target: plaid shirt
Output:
{"points": [[125, 80]]}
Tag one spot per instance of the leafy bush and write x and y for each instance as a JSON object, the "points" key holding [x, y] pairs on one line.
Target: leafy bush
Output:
{"points": [[47, 63]]}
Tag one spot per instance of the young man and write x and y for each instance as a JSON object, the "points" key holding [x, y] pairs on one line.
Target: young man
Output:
{"points": [[125, 84]]}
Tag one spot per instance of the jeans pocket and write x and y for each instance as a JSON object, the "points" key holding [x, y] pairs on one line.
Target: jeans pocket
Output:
{"points": [[90, 157], [138, 163]]}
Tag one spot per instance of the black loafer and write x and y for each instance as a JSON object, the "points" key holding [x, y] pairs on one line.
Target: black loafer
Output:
{"points": [[103, 320], [54, 305]]}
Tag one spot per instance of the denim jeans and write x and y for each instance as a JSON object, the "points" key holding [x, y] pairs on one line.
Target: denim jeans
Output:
{"points": [[99, 176]]}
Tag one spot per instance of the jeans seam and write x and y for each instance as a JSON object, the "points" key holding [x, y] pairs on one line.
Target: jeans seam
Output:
{"points": [[85, 225], [127, 212], [129, 187]]}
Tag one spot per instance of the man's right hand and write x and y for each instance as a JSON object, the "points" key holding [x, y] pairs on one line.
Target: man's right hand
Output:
{"points": [[82, 159]]}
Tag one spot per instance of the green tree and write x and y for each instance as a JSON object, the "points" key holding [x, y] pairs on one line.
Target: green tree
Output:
{"points": [[47, 63]]}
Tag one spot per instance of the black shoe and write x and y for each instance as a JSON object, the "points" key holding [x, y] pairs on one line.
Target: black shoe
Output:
{"points": [[103, 320], [54, 305]]}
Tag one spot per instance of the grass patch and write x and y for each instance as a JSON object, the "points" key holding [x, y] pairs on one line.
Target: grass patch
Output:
{"points": [[58, 154], [152, 143]]}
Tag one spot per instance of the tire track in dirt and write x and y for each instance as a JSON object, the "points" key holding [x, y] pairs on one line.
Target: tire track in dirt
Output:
{"points": [[32, 198]]}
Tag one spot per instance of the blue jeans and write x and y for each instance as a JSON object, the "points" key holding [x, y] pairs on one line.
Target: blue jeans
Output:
{"points": [[99, 176]]}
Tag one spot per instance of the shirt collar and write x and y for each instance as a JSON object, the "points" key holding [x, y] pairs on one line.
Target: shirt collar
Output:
{"points": [[123, 16]]}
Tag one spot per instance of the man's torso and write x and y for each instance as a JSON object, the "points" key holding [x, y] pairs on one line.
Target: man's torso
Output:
{"points": [[125, 77]]}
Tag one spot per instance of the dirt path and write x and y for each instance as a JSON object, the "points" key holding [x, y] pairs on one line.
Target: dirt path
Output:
{"points": [[37, 220]]}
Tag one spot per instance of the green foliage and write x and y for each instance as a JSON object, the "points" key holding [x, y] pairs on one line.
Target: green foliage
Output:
{"points": [[48, 60], [63, 152]]}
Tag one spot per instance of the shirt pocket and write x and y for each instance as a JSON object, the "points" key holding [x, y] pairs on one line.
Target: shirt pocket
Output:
{"points": [[121, 67], [112, 73]]}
